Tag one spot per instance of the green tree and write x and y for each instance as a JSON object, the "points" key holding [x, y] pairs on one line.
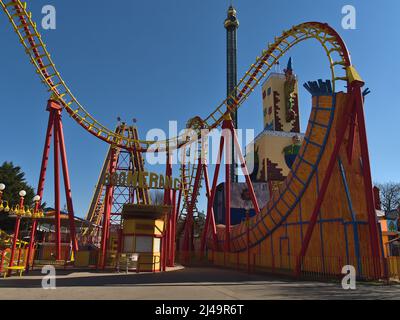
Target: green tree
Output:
{"points": [[14, 179]]}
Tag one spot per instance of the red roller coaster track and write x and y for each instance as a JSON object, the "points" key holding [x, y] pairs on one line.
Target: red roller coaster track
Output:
{"points": [[341, 71]]}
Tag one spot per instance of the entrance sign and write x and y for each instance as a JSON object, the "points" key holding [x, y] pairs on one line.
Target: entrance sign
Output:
{"points": [[141, 179]]}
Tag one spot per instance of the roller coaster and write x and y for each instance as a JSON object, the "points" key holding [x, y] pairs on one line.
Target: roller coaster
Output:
{"points": [[322, 216]]}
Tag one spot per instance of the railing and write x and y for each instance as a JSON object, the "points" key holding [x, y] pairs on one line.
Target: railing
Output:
{"points": [[121, 261], [393, 268], [19, 258], [4, 259], [135, 261], [127, 261], [45, 254], [155, 260], [313, 268], [93, 257]]}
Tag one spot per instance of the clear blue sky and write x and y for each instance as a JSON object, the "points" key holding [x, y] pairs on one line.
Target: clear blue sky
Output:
{"points": [[165, 60]]}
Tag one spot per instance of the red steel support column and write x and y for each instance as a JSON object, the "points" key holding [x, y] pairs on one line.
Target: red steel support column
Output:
{"points": [[2, 255], [207, 222], [42, 177], [105, 227], [172, 231], [19, 253], [67, 184], [31, 244], [16, 234], [352, 133], [57, 186], [46, 149], [210, 218], [369, 193], [166, 235], [32, 238], [107, 212], [187, 244], [228, 154], [245, 170], [248, 239], [167, 228], [212, 198], [324, 187], [163, 253], [14, 243], [377, 199]]}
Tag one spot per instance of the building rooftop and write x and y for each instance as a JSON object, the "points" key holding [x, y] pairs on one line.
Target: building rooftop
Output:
{"points": [[276, 134]]}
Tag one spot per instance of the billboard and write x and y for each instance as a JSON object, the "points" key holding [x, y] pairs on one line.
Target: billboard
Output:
{"points": [[240, 201], [392, 225]]}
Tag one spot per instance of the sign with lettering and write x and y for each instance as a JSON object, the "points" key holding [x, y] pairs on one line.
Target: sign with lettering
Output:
{"points": [[142, 180], [392, 225]]}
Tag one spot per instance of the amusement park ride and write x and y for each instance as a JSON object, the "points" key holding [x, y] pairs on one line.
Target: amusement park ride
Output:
{"points": [[320, 217]]}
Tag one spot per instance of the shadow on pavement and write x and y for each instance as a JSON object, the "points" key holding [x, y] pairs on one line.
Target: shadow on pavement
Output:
{"points": [[187, 276], [223, 281]]}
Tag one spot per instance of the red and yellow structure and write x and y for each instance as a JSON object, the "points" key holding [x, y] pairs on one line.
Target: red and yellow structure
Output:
{"points": [[322, 215], [143, 233]]}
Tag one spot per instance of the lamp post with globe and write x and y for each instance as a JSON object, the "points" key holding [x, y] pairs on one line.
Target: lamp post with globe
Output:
{"points": [[2, 188], [19, 211], [3, 208]]}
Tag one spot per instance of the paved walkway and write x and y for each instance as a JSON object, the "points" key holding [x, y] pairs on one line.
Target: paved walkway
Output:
{"points": [[191, 283]]}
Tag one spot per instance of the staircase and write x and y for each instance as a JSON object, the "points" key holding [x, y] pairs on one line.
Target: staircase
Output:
{"points": [[132, 161], [142, 195], [188, 175]]}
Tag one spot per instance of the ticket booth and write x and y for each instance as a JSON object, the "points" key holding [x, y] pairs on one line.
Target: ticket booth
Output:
{"points": [[142, 233]]}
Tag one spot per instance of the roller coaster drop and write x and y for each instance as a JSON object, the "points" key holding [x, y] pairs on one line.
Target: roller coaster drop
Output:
{"points": [[324, 165]]}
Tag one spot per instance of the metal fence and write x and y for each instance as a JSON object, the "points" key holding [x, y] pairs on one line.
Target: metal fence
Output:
{"points": [[317, 268], [393, 268]]}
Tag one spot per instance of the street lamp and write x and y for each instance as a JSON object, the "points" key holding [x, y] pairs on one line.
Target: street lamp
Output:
{"points": [[22, 195], [6, 208], [36, 199], [2, 187], [19, 211]]}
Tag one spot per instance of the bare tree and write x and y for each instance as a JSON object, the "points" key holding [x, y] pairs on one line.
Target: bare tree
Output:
{"points": [[390, 195], [200, 222]]}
